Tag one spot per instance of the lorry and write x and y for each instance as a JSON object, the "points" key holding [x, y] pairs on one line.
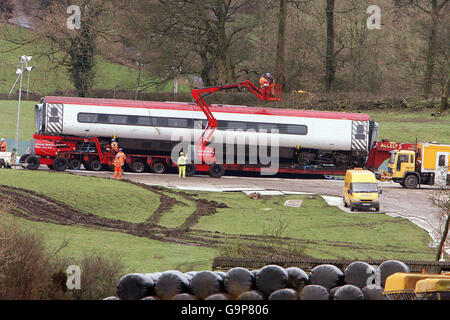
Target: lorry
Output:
{"points": [[428, 164], [361, 190]]}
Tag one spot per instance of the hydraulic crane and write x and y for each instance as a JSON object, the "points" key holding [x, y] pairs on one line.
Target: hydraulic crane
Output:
{"points": [[204, 153]]}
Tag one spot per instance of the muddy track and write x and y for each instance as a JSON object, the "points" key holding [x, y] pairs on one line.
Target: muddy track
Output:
{"points": [[37, 207]]}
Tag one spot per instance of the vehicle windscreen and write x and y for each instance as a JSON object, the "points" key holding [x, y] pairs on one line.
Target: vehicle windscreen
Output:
{"points": [[362, 187], [392, 158]]}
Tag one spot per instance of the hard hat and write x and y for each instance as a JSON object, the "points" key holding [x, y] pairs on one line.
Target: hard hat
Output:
{"points": [[120, 149], [113, 140], [181, 153], [268, 74]]}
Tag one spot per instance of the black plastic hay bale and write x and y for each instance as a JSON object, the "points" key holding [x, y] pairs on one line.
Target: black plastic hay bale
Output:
{"points": [[171, 283], [390, 267], [155, 276], [357, 273], [271, 278], [191, 274], [349, 292], [284, 294], [255, 272], [218, 296], [327, 276], [221, 274], [297, 278], [206, 283], [373, 292], [135, 286], [333, 292], [239, 280], [150, 298], [184, 296], [314, 292], [251, 295], [112, 298]]}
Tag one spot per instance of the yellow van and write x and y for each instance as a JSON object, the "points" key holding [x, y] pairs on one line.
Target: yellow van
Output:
{"points": [[361, 190]]}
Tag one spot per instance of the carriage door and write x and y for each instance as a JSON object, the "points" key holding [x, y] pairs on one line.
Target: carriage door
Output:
{"points": [[55, 118], [441, 176]]}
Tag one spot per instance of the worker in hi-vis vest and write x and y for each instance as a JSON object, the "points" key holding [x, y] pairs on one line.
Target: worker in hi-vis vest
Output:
{"points": [[119, 162], [3, 145], [182, 165]]}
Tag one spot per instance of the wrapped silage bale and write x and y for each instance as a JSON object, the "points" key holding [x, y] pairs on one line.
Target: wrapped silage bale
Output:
{"points": [[357, 273], [314, 292], [239, 280], [390, 267], [297, 278], [171, 283], [284, 294], [271, 278], [206, 283], [135, 286], [327, 276], [252, 295], [349, 292]]}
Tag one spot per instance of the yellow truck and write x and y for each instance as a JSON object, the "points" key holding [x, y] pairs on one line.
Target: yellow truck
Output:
{"points": [[361, 190], [428, 165]]}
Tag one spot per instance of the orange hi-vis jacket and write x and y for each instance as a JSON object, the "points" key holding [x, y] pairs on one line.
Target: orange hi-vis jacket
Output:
{"points": [[119, 160], [263, 82], [3, 147]]}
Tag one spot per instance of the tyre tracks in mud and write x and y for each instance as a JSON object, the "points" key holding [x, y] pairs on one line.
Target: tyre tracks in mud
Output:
{"points": [[34, 206]]}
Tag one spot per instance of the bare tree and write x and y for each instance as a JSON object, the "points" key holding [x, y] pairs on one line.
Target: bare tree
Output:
{"points": [[441, 200], [280, 58]]}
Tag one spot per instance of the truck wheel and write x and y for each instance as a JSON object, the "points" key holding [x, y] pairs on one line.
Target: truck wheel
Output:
{"points": [[159, 167], [138, 167], [95, 165], [216, 171], [411, 181], [74, 164], [60, 164], [33, 162], [23, 158], [190, 170]]}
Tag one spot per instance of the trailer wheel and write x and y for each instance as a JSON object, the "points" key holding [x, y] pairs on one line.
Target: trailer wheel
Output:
{"points": [[216, 171], [23, 158], [138, 167], [95, 165], [33, 162], [60, 164], [2, 163], [190, 170], [74, 164], [411, 181], [159, 167]]}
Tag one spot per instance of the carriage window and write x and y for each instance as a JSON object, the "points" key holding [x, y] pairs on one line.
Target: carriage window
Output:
{"points": [[178, 123], [268, 127], [132, 120], [117, 119], [102, 118], [146, 121], [87, 117], [300, 130], [235, 125], [161, 122]]}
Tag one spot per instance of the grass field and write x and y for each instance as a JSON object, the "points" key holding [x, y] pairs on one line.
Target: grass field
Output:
{"points": [[325, 231], [49, 76]]}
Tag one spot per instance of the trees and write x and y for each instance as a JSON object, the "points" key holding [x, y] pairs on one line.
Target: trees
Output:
{"points": [[330, 65], [280, 53]]}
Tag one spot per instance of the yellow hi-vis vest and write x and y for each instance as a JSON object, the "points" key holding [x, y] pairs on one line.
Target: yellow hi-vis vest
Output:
{"points": [[182, 161]]}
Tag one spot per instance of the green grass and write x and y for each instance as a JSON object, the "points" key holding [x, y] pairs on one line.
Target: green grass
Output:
{"points": [[317, 221], [137, 254], [8, 120], [102, 197], [335, 234], [406, 126], [49, 76]]}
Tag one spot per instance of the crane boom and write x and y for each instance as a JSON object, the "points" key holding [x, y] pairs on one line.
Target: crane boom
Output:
{"points": [[205, 154]]}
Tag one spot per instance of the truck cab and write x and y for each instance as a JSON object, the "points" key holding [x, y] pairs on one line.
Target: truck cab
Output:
{"points": [[429, 166], [361, 190]]}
